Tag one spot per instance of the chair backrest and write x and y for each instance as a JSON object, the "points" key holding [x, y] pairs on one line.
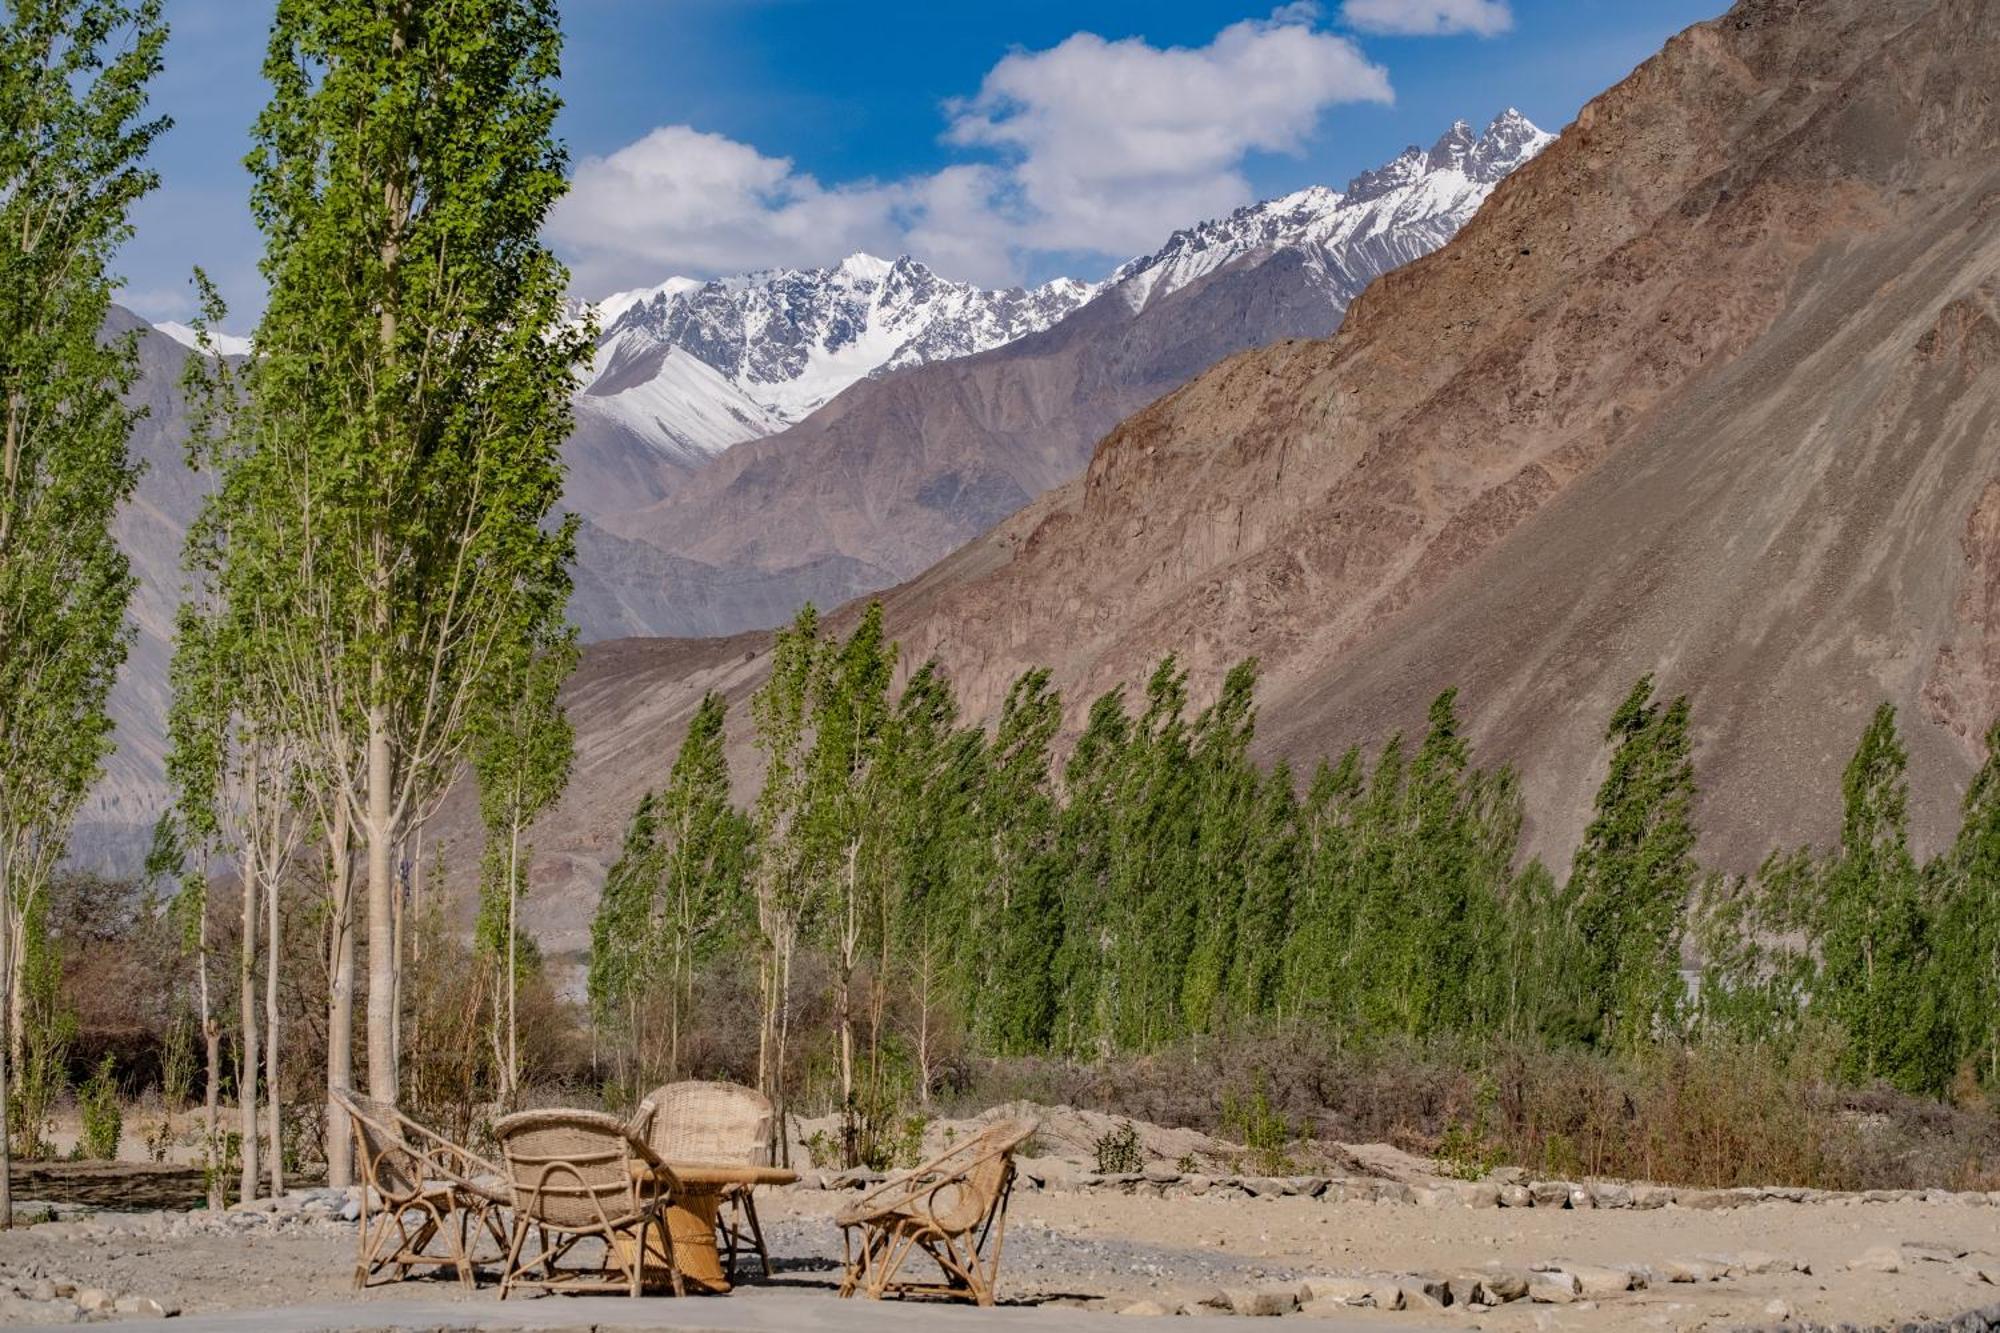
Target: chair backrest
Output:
{"points": [[987, 1166], [570, 1169], [715, 1124], [958, 1189], [387, 1161]]}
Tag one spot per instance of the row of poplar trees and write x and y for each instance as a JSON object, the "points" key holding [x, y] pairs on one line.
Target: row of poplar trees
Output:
{"points": [[956, 884], [376, 585]]}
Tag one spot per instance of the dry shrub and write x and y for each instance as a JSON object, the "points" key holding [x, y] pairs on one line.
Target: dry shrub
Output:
{"points": [[1712, 1115]]}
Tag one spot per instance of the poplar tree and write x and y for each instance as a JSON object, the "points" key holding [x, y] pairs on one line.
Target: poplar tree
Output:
{"points": [[1086, 981], [1264, 913], [781, 877], [1225, 793], [1321, 919], [1635, 873], [73, 141], [1873, 951], [406, 405], [1021, 902], [1971, 919], [521, 756]]}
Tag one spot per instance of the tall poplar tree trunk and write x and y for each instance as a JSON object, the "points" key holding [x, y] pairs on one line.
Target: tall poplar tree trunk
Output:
{"points": [[276, 1113], [211, 1033], [8, 965], [513, 976], [340, 1003], [247, 1057], [382, 1053]]}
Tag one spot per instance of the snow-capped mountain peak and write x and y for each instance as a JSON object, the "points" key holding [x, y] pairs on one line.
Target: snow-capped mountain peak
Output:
{"points": [[787, 340], [228, 344], [753, 353], [1387, 216]]}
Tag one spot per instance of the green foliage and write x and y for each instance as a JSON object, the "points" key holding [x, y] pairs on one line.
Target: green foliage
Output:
{"points": [[1969, 927], [1117, 1151], [1634, 875], [1466, 1150], [177, 1064], [1267, 1135], [73, 141], [1872, 927], [48, 1027], [103, 1120]]}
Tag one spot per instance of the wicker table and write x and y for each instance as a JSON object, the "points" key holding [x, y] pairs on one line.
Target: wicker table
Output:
{"points": [[691, 1215]]}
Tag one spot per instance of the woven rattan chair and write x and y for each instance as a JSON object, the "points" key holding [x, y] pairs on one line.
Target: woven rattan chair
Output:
{"points": [[418, 1186], [573, 1178], [718, 1124], [953, 1208]]}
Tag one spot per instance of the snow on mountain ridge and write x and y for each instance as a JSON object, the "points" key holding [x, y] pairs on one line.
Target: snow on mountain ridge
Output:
{"points": [[790, 339], [1387, 216], [782, 342]]}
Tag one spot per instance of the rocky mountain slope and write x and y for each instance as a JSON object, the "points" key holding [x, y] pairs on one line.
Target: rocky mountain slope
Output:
{"points": [[1711, 389], [902, 468]]}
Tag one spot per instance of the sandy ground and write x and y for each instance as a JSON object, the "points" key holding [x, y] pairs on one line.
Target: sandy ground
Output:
{"points": [[1105, 1252]]}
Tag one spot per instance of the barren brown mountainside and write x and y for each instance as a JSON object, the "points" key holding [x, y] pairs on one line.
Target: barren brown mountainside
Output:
{"points": [[1709, 389]]}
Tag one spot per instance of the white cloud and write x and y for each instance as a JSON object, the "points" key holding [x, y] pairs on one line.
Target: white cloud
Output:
{"points": [[1092, 145], [680, 200], [1108, 140], [1428, 18]]}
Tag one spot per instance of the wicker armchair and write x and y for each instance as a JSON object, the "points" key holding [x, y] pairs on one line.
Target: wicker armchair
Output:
{"points": [[718, 1124], [416, 1187], [953, 1208], [573, 1177]]}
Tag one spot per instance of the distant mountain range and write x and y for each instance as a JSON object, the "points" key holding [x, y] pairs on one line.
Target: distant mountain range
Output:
{"points": [[924, 410]]}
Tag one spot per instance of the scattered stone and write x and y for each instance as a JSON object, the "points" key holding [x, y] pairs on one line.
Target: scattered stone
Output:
{"points": [[1931, 1251], [1386, 1295], [1779, 1309], [1651, 1196], [1468, 1289], [1879, 1259], [147, 1307], [1553, 1288], [1693, 1270], [1419, 1295], [1550, 1193], [1337, 1290], [1516, 1196], [1257, 1301], [1598, 1280], [1145, 1309], [1611, 1195], [1581, 1197], [93, 1298], [1503, 1285], [1162, 1173], [1482, 1194]]}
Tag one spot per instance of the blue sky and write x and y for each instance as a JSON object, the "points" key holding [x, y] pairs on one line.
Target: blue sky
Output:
{"points": [[1001, 143]]}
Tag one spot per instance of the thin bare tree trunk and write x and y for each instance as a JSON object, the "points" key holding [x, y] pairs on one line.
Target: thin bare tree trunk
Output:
{"points": [[513, 976], [8, 966], [276, 1112], [340, 1002], [382, 1051], [247, 1057], [211, 1033]]}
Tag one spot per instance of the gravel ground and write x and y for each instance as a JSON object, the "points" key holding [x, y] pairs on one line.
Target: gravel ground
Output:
{"points": [[1827, 1261]]}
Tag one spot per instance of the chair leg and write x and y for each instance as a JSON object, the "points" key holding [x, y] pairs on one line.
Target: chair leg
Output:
{"points": [[509, 1272], [749, 1206]]}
